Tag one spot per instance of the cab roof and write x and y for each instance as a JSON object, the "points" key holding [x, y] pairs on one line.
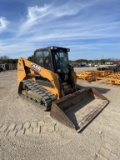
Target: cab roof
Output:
{"points": [[52, 48]]}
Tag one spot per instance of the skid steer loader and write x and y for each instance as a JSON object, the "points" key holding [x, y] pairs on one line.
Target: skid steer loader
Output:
{"points": [[50, 82]]}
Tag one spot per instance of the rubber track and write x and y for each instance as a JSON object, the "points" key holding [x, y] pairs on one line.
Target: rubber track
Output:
{"points": [[46, 97]]}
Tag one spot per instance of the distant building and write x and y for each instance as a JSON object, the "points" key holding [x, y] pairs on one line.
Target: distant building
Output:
{"points": [[83, 64], [118, 62], [90, 65], [74, 64], [108, 63]]}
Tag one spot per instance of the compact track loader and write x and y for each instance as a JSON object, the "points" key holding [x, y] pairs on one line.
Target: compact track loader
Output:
{"points": [[50, 82]]}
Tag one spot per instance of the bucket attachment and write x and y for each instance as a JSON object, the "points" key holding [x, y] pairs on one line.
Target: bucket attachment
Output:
{"points": [[78, 109]]}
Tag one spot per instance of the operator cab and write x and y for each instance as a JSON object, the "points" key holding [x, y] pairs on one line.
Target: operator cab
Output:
{"points": [[54, 59]]}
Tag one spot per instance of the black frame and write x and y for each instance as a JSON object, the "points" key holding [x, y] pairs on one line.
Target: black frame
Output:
{"points": [[49, 49]]}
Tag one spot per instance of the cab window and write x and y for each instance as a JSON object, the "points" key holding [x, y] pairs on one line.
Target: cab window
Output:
{"points": [[43, 59]]}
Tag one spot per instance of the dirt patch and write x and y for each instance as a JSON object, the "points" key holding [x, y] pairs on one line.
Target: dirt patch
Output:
{"points": [[28, 133]]}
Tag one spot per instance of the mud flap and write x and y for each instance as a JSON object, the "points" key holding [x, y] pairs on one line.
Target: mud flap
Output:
{"points": [[77, 110]]}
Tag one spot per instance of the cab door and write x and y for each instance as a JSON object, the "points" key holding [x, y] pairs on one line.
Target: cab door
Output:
{"points": [[43, 58]]}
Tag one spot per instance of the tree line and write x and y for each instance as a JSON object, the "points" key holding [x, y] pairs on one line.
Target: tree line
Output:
{"points": [[100, 61], [6, 59]]}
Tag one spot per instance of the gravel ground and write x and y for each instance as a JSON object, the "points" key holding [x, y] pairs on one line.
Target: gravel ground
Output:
{"points": [[27, 133]]}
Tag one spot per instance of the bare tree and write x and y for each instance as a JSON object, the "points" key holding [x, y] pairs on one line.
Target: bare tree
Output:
{"points": [[4, 57]]}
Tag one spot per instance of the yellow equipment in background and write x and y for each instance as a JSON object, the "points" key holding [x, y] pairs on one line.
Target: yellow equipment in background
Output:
{"points": [[113, 78], [93, 75], [50, 82]]}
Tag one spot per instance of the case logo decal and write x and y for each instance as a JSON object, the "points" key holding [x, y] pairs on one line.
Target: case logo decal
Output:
{"points": [[35, 67]]}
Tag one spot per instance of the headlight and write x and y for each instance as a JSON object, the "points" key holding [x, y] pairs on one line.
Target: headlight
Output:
{"points": [[58, 70], [66, 71]]}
